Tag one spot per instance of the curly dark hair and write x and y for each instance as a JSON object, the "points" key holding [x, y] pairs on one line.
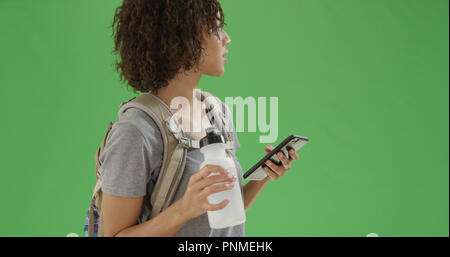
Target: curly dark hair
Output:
{"points": [[157, 38]]}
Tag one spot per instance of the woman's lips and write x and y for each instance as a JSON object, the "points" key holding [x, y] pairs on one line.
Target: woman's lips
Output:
{"points": [[225, 59]]}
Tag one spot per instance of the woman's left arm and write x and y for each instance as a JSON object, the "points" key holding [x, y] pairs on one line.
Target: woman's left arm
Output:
{"points": [[253, 188]]}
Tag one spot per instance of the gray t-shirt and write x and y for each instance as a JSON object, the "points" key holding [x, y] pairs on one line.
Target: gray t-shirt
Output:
{"points": [[131, 161]]}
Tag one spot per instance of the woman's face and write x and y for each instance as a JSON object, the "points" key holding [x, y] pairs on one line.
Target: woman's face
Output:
{"points": [[213, 58]]}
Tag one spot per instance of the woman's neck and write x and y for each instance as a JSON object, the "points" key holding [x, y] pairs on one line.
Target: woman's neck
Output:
{"points": [[183, 85]]}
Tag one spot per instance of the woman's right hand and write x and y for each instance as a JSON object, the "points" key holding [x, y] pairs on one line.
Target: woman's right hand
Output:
{"points": [[194, 201]]}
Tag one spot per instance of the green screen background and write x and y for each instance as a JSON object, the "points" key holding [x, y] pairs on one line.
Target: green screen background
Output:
{"points": [[366, 81]]}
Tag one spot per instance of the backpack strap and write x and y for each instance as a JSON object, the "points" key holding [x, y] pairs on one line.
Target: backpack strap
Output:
{"points": [[175, 145], [175, 141]]}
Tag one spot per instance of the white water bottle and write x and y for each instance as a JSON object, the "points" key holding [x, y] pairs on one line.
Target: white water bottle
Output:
{"points": [[213, 148]]}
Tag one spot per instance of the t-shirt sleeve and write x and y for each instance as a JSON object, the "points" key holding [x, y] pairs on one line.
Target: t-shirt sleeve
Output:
{"points": [[125, 169]]}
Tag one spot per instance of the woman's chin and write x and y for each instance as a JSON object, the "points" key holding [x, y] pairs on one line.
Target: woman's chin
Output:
{"points": [[217, 73]]}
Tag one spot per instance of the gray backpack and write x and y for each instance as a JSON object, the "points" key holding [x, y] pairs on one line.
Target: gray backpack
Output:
{"points": [[176, 144]]}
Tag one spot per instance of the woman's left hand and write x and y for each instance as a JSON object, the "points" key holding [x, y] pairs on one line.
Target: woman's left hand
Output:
{"points": [[275, 171]]}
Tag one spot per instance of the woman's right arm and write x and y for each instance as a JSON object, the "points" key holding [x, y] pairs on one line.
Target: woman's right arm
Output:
{"points": [[120, 214]]}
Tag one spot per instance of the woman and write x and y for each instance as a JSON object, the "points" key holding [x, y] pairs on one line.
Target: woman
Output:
{"points": [[165, 47]]}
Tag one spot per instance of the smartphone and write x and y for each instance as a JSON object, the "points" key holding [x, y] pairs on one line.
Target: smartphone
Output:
{"points": [[291, 142]]}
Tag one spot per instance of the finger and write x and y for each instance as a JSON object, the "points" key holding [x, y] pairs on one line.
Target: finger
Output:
{"points": [[215, 189], [208, 181], [270, 173], [216, 207], [275, 168], [284, 160], [293, 154], [207, 170]]}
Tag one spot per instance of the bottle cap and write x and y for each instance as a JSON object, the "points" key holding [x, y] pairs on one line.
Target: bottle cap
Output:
{"points": [[213, 136]]}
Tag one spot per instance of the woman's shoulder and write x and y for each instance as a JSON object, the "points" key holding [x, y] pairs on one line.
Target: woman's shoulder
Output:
{"points": [[134, 120]]}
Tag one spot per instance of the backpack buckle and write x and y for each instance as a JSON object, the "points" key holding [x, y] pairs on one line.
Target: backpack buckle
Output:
{"points": [[185, 142], [175, 128]]}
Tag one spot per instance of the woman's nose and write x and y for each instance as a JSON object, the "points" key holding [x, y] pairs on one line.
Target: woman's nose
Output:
{"points": [[226, 38]]}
